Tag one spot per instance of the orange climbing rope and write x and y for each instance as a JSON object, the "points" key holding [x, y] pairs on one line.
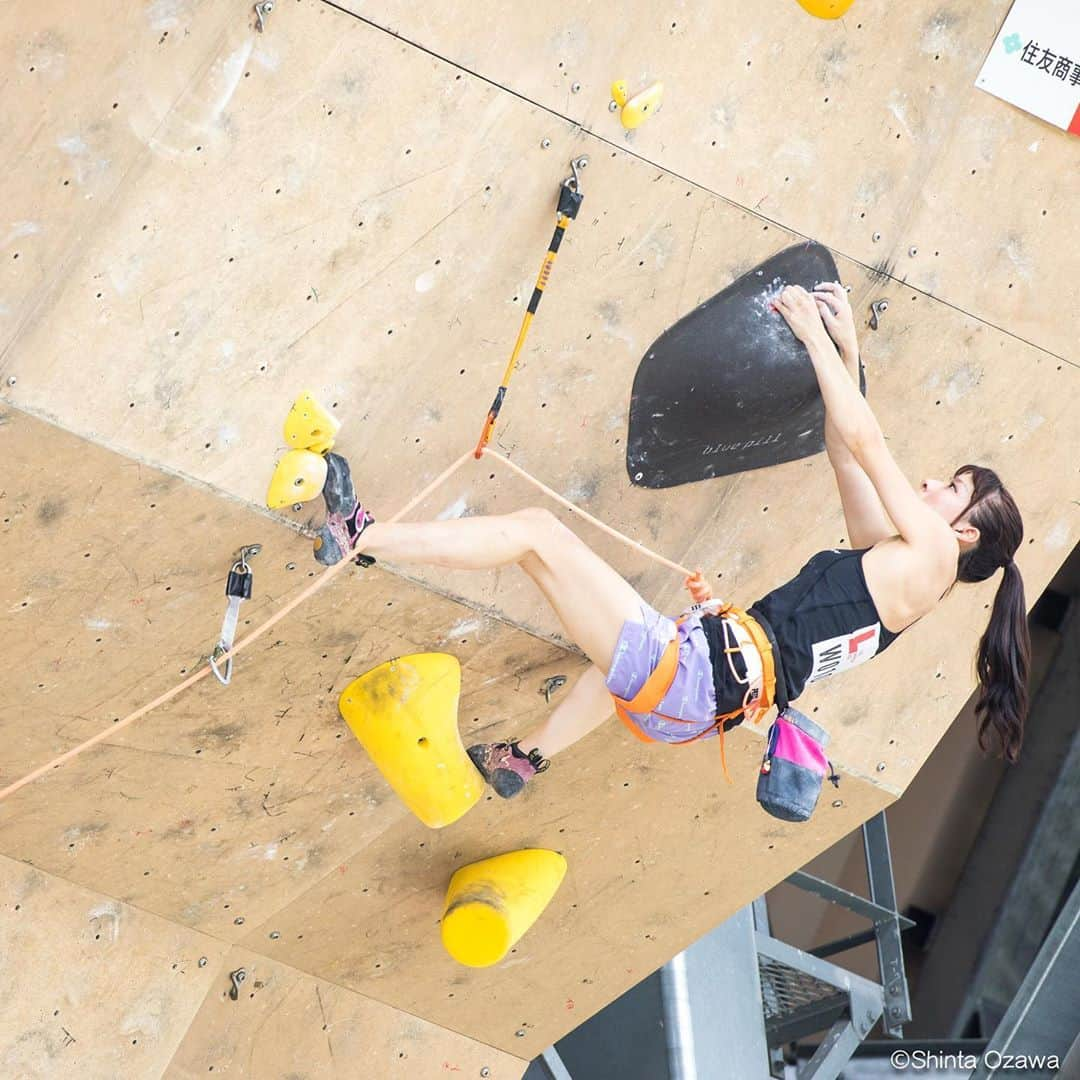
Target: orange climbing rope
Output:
{"points": [[323, 579]]}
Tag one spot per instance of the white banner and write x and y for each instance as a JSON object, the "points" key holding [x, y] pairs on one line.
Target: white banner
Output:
{"points": [[1035, 61]]}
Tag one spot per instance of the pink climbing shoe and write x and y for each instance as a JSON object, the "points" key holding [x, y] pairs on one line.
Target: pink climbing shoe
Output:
{"points": [[505, 767], [346, 519]]}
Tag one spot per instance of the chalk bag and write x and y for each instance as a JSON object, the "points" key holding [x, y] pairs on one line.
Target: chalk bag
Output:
{"points": [[793, 767]]}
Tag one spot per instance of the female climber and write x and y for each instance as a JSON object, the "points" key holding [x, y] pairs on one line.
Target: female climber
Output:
{"points": [[680, 681]]}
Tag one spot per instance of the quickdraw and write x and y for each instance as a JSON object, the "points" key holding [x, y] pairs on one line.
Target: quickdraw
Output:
{"points": [[570, 199], [237, 589]]}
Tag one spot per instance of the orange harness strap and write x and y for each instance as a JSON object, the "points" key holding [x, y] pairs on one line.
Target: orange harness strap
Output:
{"points": [[659, 683], [652, 692]]}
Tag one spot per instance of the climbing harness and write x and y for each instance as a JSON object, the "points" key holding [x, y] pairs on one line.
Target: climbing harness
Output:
{"points": [[237, 589], [657, 685], [570, 198]]}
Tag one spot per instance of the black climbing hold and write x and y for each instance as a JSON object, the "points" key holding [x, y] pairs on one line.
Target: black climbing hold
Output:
{"points": [[729, 387]]}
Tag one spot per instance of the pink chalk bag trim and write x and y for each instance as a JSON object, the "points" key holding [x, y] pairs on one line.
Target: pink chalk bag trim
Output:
{"points": [[794, 767]]}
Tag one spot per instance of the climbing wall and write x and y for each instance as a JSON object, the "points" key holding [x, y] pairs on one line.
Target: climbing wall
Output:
{"points": [[206, 218]]}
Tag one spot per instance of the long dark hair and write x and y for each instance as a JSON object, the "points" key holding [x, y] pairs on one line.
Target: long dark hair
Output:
{"points": [[1004, 655]]}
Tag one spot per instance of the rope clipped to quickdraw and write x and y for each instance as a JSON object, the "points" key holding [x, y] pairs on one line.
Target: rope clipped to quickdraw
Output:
{"points": [[570, 198], [237, 589]]}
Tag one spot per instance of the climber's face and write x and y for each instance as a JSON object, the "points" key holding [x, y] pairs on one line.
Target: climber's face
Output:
{"points": [[950, 499]]}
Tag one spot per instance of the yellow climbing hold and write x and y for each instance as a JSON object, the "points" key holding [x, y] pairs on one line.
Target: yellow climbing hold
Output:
{"points": [[620, 93], [826, 9], [309, 426], [641, 106], [405, 714], [299, 477], [491, 903]]}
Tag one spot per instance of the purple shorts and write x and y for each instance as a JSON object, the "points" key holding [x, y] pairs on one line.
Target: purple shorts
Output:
{"points": [[691, 700]]}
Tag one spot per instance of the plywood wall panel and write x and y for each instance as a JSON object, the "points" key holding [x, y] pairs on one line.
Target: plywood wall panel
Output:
{"points": [[92, 987], [659, 849], [866, 133], [284, 1023], [327, 207], [88, 107], [250, 810]]}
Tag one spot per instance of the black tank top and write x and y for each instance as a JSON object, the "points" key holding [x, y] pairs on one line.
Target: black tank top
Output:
{"points": [[824, 620]]}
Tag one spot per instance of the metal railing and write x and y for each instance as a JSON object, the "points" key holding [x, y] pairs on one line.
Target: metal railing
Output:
{"points": [[803, 993]]}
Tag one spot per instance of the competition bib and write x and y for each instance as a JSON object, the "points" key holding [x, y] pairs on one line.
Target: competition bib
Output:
{"points": [[844, 652]]}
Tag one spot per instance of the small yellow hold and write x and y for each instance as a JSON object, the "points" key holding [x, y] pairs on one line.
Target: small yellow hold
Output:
{"points": [[641, 106], [309, 426], [299, 476], [405, 714], [826, 9], [490, 904], [620, 92]]}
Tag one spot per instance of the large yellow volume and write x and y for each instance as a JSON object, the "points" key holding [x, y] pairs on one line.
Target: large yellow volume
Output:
{"points": [[405, 714], [826, 9], [309, 426], [491, 903]]}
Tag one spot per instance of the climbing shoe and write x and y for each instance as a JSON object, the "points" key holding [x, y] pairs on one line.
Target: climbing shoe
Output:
{"points": [[346, 519], [506, 767]]}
